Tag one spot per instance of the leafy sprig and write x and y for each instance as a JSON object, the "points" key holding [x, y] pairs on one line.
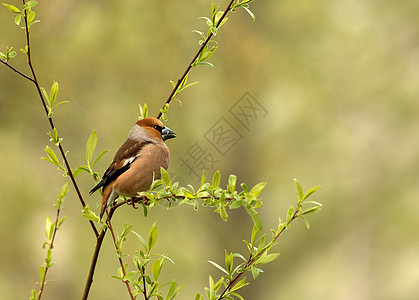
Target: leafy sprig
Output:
{"points": [[259, 251], [210, 194], [145, 278], [204, 53], [20, 13], [51, 229], [90, 149]]}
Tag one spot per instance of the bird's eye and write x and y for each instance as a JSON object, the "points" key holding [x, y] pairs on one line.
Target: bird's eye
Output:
{"points": [[158, 128]]}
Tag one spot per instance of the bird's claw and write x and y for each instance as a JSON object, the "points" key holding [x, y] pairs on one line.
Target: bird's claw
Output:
{"points": [[132, 202]]}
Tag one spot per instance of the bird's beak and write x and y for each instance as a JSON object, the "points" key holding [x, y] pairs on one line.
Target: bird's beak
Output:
{"points": [[167, 133]]}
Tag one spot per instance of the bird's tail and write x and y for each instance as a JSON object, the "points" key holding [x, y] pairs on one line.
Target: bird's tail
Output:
{"points": [[112, 196], [97, 186]]}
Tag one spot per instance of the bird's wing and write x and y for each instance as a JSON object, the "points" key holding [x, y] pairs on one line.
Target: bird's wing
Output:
{"points": [[122, 161]]}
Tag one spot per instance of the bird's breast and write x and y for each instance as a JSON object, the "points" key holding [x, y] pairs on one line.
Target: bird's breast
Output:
{"points": [[139, 176]]}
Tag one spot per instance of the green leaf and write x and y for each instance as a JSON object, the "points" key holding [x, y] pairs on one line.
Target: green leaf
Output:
{"points": [[29, 4], [61, 195], [12, 8], [257, 189], [255, 217], [305, 221], [237, 295], [12, 54], [115, 277], [255, 231], [228, 257], [311, 191], [290, 214], [210, 292], [218, 16], [216, 179], [154, 231], [174, 290], [52, 158], [89, 215], [244, 187], [311, 210], [207, 54], [218, 284], [24, 50], [79, 169], [31, 16], [199, 297], [200, 33], [232, 179], [156, 268], [61, 221], [54, 137], [125, 231], [33, 295], [53, 93], [266, 258], [250, 12], [204, 175], [165, 177], [223, 212], [205, 63], [18, 18], [218, 266], [41, 273], [313, 202], [45, 94], [255, 272], [48, 230], [236, 204], [143, 111], [91, 145], [262, 242], [99, 157], [208, 21], [239, 285], [299, 189], [142, 240], [189, 85]]}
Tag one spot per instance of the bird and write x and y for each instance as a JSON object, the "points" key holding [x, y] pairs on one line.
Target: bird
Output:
{"points": [[136, 162]]}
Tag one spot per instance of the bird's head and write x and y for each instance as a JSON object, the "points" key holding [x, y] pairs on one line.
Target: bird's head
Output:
{"points": [[155, 129]]}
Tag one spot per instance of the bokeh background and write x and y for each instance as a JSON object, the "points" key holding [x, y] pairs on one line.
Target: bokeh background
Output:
{"points": [[339, 83]]}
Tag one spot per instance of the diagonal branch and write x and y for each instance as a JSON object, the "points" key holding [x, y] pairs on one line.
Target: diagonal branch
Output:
{"points": [[17, 71], [252, 259], [119, 256], [99, 241], [189, 67], [38, 88], [51, 245]]}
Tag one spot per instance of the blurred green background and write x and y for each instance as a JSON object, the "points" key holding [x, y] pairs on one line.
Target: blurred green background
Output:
{"points": [[339, 82]]}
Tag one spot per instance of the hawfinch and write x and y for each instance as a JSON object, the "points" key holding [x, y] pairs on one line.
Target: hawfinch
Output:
{"points": [[141, 156]]}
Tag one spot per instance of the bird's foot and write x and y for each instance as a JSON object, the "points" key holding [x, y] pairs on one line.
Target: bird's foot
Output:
{"points": [[132, 202]]}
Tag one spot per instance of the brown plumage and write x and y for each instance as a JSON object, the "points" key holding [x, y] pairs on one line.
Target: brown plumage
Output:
{"points": [[131, 170]]}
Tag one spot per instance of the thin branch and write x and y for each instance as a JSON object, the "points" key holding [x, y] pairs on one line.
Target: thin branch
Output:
{"points": [[119, 257], [189, 67], [99, 240], [38, 88], [93, 263], [144, 284], [51, 245], [17, 71], [252, 258]]}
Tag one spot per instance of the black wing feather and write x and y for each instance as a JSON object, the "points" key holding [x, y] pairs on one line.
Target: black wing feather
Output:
{"points": [[129, 149], [110, 176]]}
